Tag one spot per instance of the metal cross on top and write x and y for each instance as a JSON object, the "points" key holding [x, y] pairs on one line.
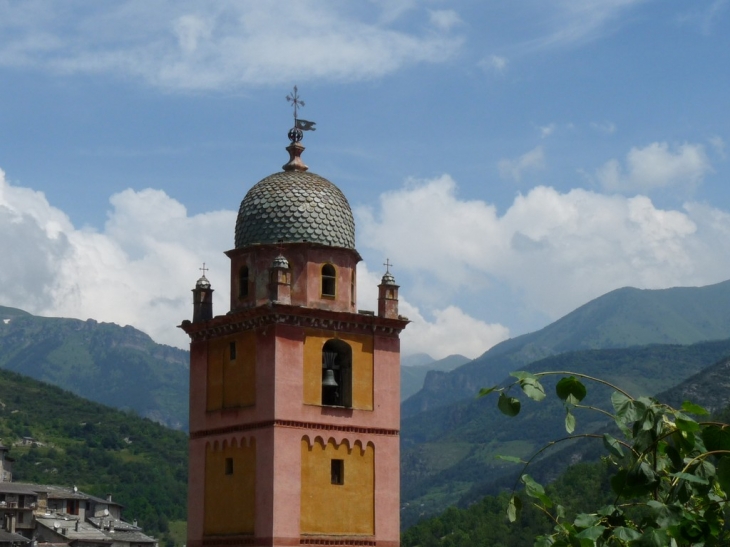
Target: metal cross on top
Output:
{"points": [[296, 102], [204, 269], [387, 265]]}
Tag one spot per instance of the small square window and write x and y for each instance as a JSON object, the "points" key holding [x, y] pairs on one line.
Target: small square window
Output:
{"points": [[232, 349], [337, 469], [229, 466]]}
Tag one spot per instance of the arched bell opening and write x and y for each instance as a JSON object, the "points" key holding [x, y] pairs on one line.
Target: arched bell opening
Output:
{"points": [[337, 374]]}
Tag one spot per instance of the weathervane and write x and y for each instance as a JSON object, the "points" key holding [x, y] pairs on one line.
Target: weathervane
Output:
{"points": [[296, 133]]}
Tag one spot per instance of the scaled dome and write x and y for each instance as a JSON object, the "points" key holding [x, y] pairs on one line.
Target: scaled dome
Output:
{"points": [[295, 206]]}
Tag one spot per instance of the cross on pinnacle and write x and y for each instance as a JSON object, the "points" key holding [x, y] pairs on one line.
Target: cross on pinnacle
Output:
{"points": [[296, 102], [204, 269], [387, 265]]}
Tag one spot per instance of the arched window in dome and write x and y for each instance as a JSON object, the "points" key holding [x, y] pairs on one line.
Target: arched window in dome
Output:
{"points": [[337, 374], [329, 280], [243, 282]]}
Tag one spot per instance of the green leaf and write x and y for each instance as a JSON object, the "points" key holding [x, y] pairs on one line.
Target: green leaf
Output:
{"points": [[689, 477], [533, 389], [535, 490], [694, 409], [508, 405], [570, 386], [521, 375], [624, 407], [585, 520], [625, 534], [687, 425], [487, 390], [543, 541], [666, 515], [716, 438], [569, 423], [612, 445], [513, 459], [514, 508], [723, 473], [620, 402], [592, 533], [655, 538]]}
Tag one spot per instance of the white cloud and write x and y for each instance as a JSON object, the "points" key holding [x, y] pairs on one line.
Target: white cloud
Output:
{"points": [[223, 45], [555, 250], [138, 271], [718, 144], [493, 62], [444, 19], [704, 15], [578, 21], [451, 331], [514, 169], [547, 130], [609, 128], [656, 166]]}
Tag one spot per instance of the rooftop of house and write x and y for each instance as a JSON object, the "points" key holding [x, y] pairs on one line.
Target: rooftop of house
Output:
{"points": [[72, 528], [104, 530], [10, 537], [52, 491], [19, 488]]}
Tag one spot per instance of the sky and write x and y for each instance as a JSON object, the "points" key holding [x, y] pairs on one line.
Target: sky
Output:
{"points": [[513, 160]]}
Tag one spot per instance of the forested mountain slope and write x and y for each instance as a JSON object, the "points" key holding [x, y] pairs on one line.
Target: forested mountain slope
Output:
{"points": [[622, 318], [118, 366], [99, 449], [479, 517], [449, 452], [412, 376]]}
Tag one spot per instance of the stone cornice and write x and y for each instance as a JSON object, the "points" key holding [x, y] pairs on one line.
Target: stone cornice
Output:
{"points": [[310, 426], [297, 316]]}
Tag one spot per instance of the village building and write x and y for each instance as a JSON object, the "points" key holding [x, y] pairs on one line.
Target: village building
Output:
{"points": [[47, 515], [294, 392]]}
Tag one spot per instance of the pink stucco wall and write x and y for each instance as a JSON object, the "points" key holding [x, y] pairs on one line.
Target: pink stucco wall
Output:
{"points": [[279, 419]]}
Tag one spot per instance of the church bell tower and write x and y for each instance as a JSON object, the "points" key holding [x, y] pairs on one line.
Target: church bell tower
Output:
{"points": [[294, 393]]}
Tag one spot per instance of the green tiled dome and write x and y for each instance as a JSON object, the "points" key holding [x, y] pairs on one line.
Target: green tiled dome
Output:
{"points": [[295, 206]]}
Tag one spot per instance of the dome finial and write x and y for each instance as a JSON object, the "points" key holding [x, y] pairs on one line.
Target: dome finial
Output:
{"points": [[203, 282], [296, 134], [388, 278]]}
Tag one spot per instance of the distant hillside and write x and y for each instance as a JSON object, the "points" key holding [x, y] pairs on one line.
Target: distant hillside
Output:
{"points": [[412, 376], [99, 449], [118, 366], [449, 452], [479, 520], [622, 318]]}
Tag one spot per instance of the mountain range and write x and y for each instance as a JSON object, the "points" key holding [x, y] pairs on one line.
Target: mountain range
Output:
{"points": [[415, 368], [647, 341], [621, 318], [118, 366], [101, 450], [450, 439]]}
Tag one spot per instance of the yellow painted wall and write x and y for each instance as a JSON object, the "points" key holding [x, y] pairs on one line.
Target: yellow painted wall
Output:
{"points": [[232, 382], [230, 504], [362, 367], [328, 508]]}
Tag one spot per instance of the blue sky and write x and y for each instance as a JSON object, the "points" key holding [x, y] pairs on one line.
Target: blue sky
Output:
{"points": [[513, 159]]}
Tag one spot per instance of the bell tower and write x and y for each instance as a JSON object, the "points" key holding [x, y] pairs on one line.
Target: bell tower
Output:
{"points": [[294, 393]]}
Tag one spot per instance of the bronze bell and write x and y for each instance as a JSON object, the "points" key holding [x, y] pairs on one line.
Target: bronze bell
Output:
{"points": [[329, 378]]}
